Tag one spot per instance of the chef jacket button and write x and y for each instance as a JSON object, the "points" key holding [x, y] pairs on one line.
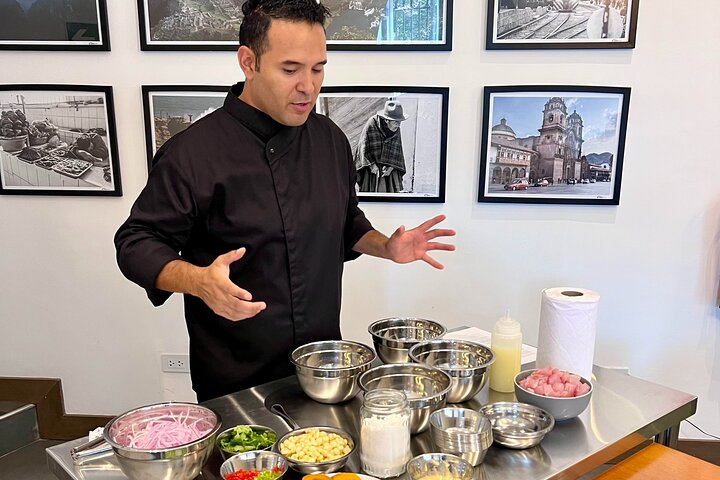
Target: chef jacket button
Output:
{"points": [[272, 150]]}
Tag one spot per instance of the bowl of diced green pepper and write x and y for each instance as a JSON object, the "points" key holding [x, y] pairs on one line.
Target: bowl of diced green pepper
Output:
{"points": [[245, 438]]}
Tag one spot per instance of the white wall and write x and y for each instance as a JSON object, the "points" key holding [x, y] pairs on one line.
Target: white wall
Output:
{"points": [[66, 311]]}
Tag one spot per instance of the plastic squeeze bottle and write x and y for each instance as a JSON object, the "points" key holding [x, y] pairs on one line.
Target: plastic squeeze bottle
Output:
{"points": [[506, 344]]}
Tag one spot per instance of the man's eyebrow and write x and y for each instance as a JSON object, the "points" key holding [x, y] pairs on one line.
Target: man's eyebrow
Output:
{"points": [[294, 63]]}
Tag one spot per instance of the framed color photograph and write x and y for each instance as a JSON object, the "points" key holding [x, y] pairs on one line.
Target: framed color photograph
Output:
{"points": [[398, 136], [58, 140], [189, 25], [170, 109], [561, 24], [54, 25], [389, 24], [553, 144]]}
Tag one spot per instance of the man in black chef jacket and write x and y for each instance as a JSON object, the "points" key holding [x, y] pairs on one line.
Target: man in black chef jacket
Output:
{"points": [[251, 211]]}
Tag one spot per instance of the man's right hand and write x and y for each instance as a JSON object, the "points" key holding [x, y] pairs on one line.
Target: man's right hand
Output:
{"points": [[212, 284], [221, 294]]}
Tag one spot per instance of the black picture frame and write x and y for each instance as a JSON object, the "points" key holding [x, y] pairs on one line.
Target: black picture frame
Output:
{"points": [[534, 150], [169, 109], [70, 147], [588, 26], [354, 30], [347, 29], [84, 28], [356, 109]]}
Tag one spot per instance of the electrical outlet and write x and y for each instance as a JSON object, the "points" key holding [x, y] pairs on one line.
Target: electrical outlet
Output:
{"points": [[175, 363]]}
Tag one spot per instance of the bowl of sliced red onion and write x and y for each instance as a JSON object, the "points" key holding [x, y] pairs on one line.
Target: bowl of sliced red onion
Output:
{"points": [[165, 440], [564, 395]]}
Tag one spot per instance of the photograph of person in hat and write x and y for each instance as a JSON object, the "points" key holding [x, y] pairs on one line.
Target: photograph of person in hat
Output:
{"points": [[379, 158]]}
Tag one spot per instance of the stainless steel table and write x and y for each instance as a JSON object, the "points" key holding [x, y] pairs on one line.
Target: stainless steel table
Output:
{"points": [[623, 413]]}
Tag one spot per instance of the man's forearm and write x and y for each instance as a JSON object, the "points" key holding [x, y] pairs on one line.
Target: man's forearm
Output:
{"points": [[178, 276], [373, 243]]}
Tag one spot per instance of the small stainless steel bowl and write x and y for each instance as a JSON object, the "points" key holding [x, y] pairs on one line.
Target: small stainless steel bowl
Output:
{"points": [[426, 388], [258, 460], [393, 337], [518, 425], [319, 467], [182, 462], [442, 465], [229, 432], [328, 370], [466, 363], [560, 408], [462, 432]]}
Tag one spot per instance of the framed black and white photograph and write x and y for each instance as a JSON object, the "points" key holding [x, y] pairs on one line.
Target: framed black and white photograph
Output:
{"points": [[389, 25], [398, 137], [553, 144], [170, 109], [54, 25], [58, 140], [189, 25], [561, 24]]}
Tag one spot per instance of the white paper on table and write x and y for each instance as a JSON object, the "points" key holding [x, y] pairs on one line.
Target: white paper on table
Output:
{"points": [[478, 335]]}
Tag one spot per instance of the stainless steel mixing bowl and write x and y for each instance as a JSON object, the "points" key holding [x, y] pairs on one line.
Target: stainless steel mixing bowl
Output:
{"points": [[393, 337], [426, 388], [257, 460], [462, 432], [230, 432], [183, 462], [317, 467], [466, 362], [328, 370], [439, 465], [518, 425]]}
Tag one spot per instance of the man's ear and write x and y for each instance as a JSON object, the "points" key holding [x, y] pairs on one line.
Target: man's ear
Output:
{"points": [[246, 59]]}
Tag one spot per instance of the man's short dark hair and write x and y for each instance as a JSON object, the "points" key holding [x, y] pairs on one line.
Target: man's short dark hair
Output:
{"points": [[257, 15]]}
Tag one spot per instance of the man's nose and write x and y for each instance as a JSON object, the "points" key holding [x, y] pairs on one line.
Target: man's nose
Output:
{"points": [[305, 83]]}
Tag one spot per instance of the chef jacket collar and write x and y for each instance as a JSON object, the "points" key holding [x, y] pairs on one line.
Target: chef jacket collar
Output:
{"points": [[259, 122]]}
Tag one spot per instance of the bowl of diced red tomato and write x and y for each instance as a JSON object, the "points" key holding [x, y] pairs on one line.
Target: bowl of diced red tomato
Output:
{"points": [[254, 465], [563, 394]]}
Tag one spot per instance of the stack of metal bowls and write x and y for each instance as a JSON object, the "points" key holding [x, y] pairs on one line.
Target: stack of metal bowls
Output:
{"points": [[426, 388], [393, 337], [462, 432], [518, 425], [328, 370], [182, 462], [466, 362]]}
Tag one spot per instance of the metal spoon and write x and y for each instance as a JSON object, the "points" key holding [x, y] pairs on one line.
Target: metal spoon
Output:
{"points": [[278, 410]]}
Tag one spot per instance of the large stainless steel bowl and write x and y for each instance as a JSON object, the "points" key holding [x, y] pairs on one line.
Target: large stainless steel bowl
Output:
{"points": [[316, 467], [518, 425], [426, 388], [466, 363], [182, 462], [462, 432], [393, 337], [328, 370]]}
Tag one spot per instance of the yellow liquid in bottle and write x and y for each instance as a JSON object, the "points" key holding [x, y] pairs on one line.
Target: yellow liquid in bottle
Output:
{"points": [[505, 368]]}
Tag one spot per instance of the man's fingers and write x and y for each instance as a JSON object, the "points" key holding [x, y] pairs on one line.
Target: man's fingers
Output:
{"points": [[240, 293], [440, 246], [440, 232], [238, 310], [427, 224], [432, 262], [232, 256]]}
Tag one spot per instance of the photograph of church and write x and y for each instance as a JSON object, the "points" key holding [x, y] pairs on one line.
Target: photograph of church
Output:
{"points": [[566, 143]]}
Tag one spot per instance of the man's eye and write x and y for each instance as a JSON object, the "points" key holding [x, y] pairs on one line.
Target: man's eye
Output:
{"points": [[289, 71]]}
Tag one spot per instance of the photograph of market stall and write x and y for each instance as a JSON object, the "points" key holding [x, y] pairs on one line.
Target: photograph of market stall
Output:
{"points": [[58, 141]]}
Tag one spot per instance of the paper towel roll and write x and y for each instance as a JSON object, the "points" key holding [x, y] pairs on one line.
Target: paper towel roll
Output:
{"points": [[566, 339]]}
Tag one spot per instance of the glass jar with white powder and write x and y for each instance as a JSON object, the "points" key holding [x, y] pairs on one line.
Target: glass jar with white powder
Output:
{"points": [[384, 432]]}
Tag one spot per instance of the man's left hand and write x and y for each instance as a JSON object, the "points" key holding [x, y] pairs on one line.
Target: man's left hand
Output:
{"points": [[405, 246]]}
